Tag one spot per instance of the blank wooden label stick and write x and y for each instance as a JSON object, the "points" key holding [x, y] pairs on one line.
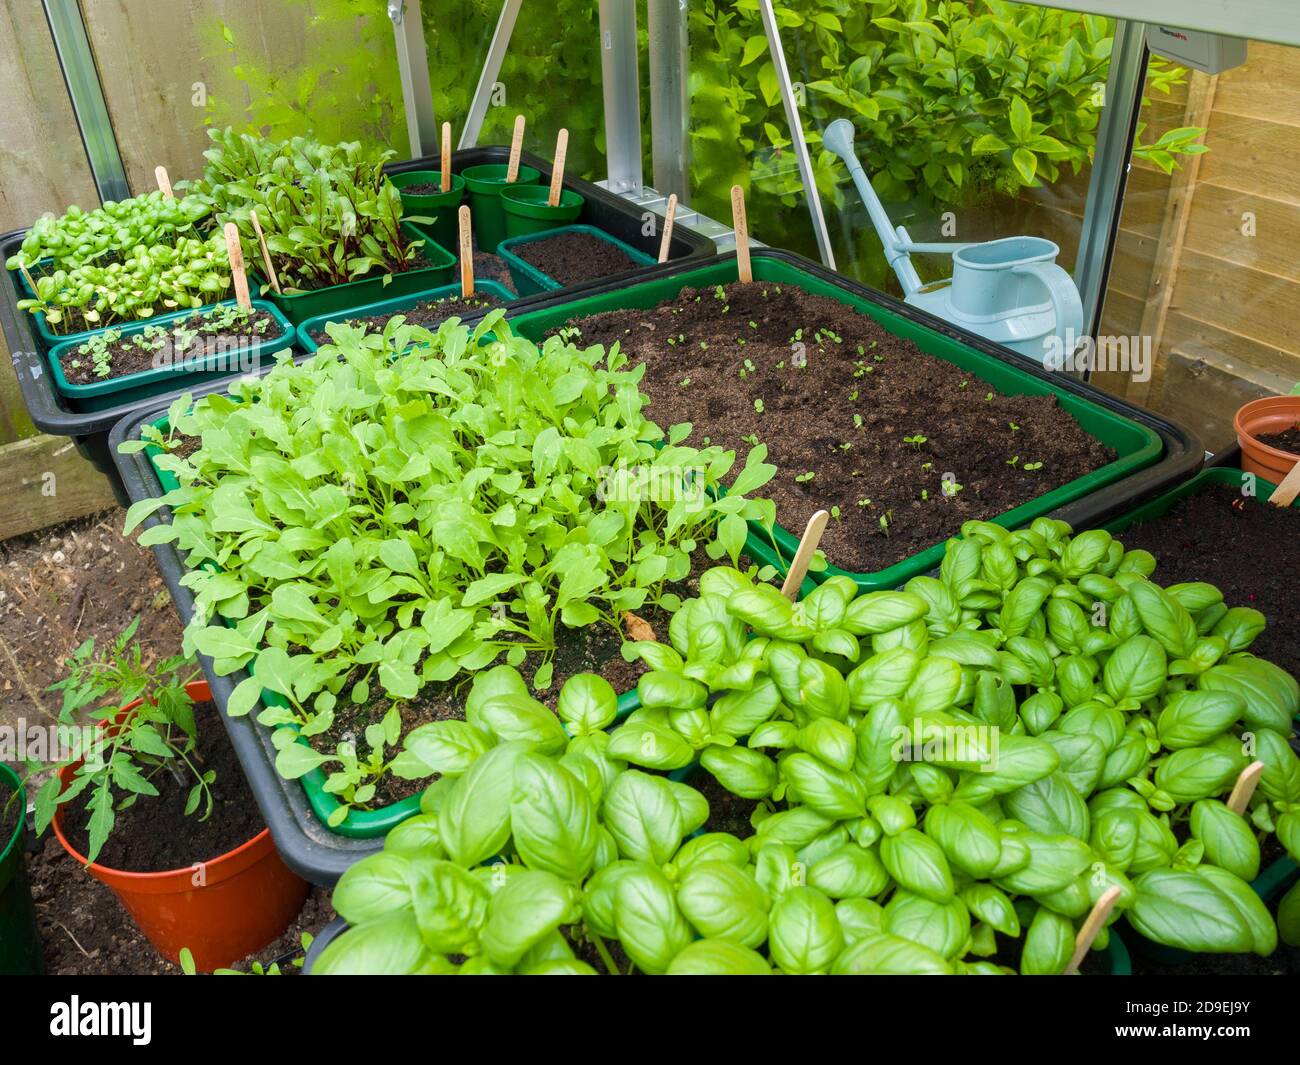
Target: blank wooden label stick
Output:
{"points": [[740, 223], [1289, 487], [1092, 927], [812, 536], [670, 214], [516, 147], [466, 254], [30, 283], [237, 274], [557, 170], [446, 157], [266, 254], [164, 182], [1245, 788]]}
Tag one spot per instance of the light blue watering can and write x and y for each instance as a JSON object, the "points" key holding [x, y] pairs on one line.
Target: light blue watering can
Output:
{"points": [[1009, 290]]}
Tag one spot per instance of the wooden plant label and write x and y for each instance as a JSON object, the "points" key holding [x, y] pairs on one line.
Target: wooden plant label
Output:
{"points": [[670, 215], [1284, 494], [237, 273], [812, 536], [27, 276], [1092, 927], [164, 182], [1245, 788], [266, 254], [557, 172], [740, 223], [466, 254], [445, 172], [516, 147]]}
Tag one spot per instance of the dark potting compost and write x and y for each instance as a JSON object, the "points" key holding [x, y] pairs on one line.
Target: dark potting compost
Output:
{"points": [[572, 258], [11, 810], [1287, 440], [900, 446], [429, 314], [213, 333], [154, 834], [1247, 548]]}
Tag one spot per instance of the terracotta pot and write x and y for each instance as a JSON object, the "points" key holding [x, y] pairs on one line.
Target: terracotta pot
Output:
{"points": [[1273, 414], [223, 910]]}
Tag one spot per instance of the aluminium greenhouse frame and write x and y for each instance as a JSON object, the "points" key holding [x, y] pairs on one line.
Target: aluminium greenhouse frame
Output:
{"points": [[670, 114]]}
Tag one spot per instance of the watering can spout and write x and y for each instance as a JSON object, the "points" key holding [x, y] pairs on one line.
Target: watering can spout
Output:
{"points": [[838, 138]]}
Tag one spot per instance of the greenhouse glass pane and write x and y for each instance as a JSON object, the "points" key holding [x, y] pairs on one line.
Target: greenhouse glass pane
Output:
{"points": [[975, 120], [1206, 274]]}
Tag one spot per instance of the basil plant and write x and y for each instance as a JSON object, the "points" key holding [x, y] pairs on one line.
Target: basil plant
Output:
{"points": [[537, 852], [362, 525], [1036, 724]]}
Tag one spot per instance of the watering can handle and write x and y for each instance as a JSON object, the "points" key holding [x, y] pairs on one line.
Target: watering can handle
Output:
{"points": [[1066, 304]]}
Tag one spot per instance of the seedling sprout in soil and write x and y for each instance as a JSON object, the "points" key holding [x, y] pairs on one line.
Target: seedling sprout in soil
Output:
{"points": [[909, 403], [222, 331]]}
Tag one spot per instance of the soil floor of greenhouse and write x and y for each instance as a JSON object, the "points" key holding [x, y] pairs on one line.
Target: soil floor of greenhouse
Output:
{"points": [[62, 586]]}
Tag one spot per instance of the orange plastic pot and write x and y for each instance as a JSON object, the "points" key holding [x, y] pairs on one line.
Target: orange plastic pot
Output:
{"points": [[1273, 414], [223, 909]]}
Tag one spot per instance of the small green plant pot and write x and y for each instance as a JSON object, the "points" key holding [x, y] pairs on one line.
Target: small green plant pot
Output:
{"points": [[485, 183], [527, 211], [303, 305], [20, 943], [529, 280], [394, 306], [440, 206], [132, 388]]}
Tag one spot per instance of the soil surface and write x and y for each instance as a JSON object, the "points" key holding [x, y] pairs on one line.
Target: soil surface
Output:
{"points": [[424, 188], [420, 262], [1287, 440], [85, 931], [429, 313], [135, 353], [1247, 548], [67, 583], [489, 267], [727, 812], [572, 258], [854, 418], [153, 834]]}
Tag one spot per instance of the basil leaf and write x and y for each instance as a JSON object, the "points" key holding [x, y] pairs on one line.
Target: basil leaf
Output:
{"points": [[804, 934], [887, 955], [718, 957], [724, 901], [649, 923], [642, 815], [528, 907], [552, 819]]}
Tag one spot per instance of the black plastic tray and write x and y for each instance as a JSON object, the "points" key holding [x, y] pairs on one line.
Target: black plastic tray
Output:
{"points": [[51, 414]]}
